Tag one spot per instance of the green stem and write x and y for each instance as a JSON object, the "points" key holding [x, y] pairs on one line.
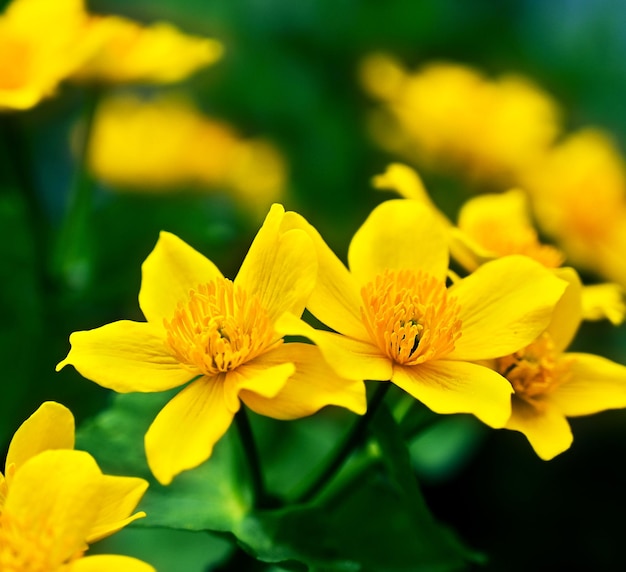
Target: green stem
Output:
{"points": [[72, 256], [352, 440], [261, 498]]}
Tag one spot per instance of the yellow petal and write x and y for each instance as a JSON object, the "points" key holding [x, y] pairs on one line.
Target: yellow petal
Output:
{"points": [[406, 182], [184, 432], [50, 427], [3, 491], [120, 496], [170, 271], [352, 359], [458, 387], [546, 429], [264, 376], [567, 315], [399, 234], [604, 301], [109, 562], [335, 300], [313, 386], [55, 497], [125, 356], [467, 252], [596, 384], [280, 267], [158, 53], [511, 206], [504, 305]]}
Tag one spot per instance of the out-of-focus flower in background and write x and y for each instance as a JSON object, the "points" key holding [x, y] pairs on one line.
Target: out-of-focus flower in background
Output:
{"points": [[448, 115], [44, 42], [166, 143], [41, 43], [156, 53], [578, 192]]}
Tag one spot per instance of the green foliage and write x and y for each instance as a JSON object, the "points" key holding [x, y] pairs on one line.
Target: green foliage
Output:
{"points": [[373, 517]]}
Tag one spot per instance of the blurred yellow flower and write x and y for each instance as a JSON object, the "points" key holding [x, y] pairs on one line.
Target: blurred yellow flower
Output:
{"points": [[131, 52], [449, 115], [167, 142], [51, 427], [578, 193], [220, 335], [396, 320], [41, 43], [493, 225], [551, 384], [55, 499]]}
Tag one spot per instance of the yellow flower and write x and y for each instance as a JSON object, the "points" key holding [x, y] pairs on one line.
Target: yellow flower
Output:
{"points": [[157, 53], [55, 499], [220, 334], [493, 225], [551, 384], [396, 320], [51, 427], [166, 142], [450, 115], [578, 192], [41, 43]]}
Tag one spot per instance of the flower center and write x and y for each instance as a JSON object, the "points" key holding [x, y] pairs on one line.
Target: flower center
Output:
{"points": [[410, 316], [32, 548], [219, 327], [535, 370]]}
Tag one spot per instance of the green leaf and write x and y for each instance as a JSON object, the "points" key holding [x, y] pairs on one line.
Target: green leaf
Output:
{"points": [[377, 521], [215, 496]]}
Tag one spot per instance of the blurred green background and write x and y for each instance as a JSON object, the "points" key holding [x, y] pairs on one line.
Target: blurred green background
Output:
{"points": [[289, 74]]}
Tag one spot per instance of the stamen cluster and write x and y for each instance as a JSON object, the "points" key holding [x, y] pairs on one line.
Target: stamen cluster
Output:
{"points": [[32, 549], [535, 370], [219, 327], [410, 316]]}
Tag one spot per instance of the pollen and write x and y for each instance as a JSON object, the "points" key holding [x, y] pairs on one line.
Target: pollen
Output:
{"points": [[32, 548], [536, 370], [410, 316], [219, 327]]}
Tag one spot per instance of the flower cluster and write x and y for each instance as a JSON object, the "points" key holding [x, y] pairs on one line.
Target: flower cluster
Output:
{"points": [[502, 133], [459, 347], [471, 316]]}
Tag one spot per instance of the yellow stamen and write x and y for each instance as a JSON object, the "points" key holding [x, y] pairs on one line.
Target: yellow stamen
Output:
{"points": [[410, 316], [219, 327], [32, 548], [536, 370]]}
